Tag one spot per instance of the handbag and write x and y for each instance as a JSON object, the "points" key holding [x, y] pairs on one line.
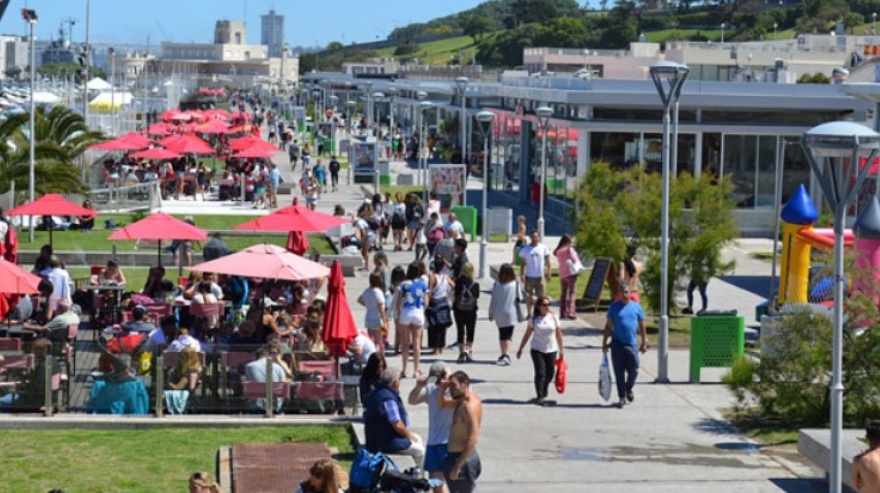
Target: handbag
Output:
{"points": [[561, 377], [520, 316], [575, 267], [605, 378], [439, 313]]}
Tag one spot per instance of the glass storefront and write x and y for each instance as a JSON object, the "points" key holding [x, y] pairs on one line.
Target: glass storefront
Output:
{"points": [[749, 160], [562, 152]]}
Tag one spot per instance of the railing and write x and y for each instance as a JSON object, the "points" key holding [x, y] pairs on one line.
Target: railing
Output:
{"points": [[115, 198]]}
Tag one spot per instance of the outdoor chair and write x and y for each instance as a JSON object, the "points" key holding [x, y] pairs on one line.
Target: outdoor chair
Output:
{"points": [[329, 369], [10, 344], [321, 396]]}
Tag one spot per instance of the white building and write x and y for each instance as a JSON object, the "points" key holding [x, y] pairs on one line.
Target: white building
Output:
{"points": [[14, 52]]}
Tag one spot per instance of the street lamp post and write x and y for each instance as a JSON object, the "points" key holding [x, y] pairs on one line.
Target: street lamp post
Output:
{"points": [[461, 85], [424, 107], [351, 105], [544, 113], [30, 16], [874, 23], [421, 96], [775, 26], [722, 32], [832, 150], [378, 97], [368, 111], [669, 79], [392, 92], [485, 118]]}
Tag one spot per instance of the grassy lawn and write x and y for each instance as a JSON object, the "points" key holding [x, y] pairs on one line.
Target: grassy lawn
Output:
{"points": [[439, 52], [135, 461], [759, 429], [136, 277], [96, 240]]}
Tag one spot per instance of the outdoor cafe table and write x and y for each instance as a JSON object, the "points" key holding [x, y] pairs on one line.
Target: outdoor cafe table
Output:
{"points": [[17, 330], [116, 291]]}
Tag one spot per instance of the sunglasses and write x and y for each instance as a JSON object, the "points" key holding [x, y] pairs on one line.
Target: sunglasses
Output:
{"points": [[543, 304]]}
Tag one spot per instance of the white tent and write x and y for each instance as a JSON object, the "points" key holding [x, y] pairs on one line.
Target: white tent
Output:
{"points": [[106, 100], [98, 84]]}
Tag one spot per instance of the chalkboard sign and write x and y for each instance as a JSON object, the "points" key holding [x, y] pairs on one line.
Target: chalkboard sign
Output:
{"points": [[593, 291]]}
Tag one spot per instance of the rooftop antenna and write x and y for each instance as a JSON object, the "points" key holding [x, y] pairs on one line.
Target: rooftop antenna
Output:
{"points": [[70, 21]]}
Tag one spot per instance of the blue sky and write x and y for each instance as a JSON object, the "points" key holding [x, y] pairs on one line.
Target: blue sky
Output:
{"points": [[308, 22]]}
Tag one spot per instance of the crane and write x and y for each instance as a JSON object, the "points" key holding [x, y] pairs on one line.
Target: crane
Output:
{"points": [[164, 34]]}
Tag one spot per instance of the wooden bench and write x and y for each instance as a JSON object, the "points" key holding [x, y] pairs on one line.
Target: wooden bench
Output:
{"points": [[403, 462], [815, 445]]}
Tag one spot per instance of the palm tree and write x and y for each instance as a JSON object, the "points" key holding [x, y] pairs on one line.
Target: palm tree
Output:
{"points": [[61, 137]]}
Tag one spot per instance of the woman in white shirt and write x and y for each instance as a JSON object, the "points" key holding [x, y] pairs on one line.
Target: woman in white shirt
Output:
{"points": [[373, 298], [547, 346]]}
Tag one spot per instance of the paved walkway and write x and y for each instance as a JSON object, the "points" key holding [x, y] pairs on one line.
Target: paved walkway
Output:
{"points": [[673, 438]]}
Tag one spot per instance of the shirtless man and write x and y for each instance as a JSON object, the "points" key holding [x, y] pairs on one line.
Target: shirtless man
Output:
{"points": [[866, 467], [462, 467], [630, 271]]}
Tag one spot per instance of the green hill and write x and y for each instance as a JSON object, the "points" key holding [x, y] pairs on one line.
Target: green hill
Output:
{"points": [[438, 52]]}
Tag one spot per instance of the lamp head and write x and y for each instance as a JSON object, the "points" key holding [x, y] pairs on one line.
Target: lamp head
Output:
{"points": [[461, 83], [840, 139], [485, 117], [378, 95], [350, 103], [426, 105], [544, 113], [421, 95]]}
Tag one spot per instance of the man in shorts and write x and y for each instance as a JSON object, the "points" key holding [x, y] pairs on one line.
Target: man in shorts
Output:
{"points": [[535, 269], [866, 466], [293, 154], [462, 466], [439, 420]]}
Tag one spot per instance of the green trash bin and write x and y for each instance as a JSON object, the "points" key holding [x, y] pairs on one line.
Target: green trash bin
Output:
{"points": [[467, 215], [716, 341]]}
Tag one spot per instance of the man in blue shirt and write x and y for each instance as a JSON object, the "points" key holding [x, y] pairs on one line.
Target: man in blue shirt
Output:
{"points": [[625, 319], [386, 422]]}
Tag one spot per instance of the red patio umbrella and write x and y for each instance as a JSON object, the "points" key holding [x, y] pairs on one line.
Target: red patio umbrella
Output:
{"points": [[15, 280], [158, 129], [265, 261], [340, 328], [213, 126], [294, 218], [136, 138], [251, 141], [254, 153], [51, 204], [159, 227], [155, 153], [297, 242], [190, 144], [117, 144]]}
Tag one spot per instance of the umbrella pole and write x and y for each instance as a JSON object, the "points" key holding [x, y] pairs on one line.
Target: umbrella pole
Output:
{"points": [[51, 228], [159, 256]]}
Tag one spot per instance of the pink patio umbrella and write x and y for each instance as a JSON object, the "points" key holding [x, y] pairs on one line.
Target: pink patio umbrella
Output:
{"points": [[265, 261], [190, 144], [250, 141], [294, 218], [254, 153]]}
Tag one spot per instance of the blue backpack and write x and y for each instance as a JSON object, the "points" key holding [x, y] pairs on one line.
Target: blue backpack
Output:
{"points": [[366, 469]]}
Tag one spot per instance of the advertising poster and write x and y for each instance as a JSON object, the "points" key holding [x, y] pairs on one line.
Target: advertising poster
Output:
{"points": [[363, 156], [448, 182]]}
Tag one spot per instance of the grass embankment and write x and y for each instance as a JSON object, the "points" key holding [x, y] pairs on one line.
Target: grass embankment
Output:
{"points": [[96, 240], [136, 461], [439, 52]]}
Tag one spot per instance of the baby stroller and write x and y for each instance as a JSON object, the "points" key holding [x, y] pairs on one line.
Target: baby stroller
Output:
{"points": [[377, 473]]}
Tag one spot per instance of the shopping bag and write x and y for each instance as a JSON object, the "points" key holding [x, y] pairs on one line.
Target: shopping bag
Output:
{"points": [[575, 268], [605, 378], [561, 377]]}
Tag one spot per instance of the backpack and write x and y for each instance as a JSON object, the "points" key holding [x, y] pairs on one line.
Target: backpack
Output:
{"points": [[366, 469], [466, 301]]}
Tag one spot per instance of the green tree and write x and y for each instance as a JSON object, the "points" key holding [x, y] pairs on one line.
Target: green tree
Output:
{"points": [[476, 26], [613, 204], [61, 137]]}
